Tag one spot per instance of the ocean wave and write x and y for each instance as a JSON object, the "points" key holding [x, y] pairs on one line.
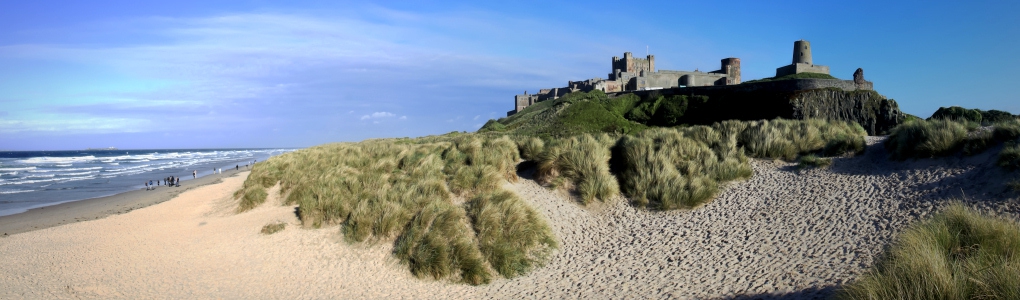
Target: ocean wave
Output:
{"points": [[17, 169], [41, 176], [81, 169], [63, 165], [8, 173], [4, 192], [76, 174], [55, 160]]}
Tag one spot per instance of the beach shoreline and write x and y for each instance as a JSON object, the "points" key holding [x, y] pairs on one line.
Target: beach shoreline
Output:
{"points": [[101, 207]]}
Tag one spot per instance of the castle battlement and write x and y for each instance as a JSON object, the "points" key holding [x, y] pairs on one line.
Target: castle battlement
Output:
{"points": [[638, 74]]}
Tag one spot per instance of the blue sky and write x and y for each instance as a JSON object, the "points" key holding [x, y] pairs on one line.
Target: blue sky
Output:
{"points": [[209, 74]]}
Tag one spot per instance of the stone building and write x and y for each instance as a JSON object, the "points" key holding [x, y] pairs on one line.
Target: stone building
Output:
{"points": [[637, 74], [631, 74], [801, 61]]}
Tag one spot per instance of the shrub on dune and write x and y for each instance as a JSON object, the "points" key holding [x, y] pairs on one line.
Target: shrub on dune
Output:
{"points": [[958, 254], [437, 244], [402, 189], [925, 139], [1009, 158], [582, 161], [513, 238], [662, 168], [813, 162], [530, 148]]}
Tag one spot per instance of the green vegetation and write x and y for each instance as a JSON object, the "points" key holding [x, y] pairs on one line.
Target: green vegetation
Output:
{"points": [[805, 75], [573, 114], [272, 228], [1009, 158], [813, 161], [406, 189], [490, 214], [972, 115], [958, 254], [925, 139], [943, 137], [1014, 185], [681, 168], [580, 162], [678, 168], [787, 139]]}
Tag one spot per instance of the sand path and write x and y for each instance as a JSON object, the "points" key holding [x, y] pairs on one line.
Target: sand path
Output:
{"points": [[780, 234]]}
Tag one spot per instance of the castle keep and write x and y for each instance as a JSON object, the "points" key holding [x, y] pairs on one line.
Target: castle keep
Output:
{"points": [[637, 74], [631, 74]]}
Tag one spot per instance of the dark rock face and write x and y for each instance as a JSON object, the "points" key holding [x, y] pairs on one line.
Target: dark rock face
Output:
{"points": [[874, 112], [859, 76], [770, 100]]}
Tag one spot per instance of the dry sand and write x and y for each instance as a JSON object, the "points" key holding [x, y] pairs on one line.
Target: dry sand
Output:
{"points": [[781, 234]]}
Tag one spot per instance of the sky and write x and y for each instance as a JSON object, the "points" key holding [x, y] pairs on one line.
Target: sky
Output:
{"points": [[242, 74]]}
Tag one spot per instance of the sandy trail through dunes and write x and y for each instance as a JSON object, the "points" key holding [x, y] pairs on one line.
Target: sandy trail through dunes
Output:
{"points": [[782, 233]]}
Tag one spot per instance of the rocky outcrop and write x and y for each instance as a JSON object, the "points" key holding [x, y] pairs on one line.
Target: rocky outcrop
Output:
{"points": [[789, 99], [859, 77], [874, 112]]}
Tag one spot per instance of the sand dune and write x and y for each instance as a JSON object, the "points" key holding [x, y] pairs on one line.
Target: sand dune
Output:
{"points": [[781, 233]]}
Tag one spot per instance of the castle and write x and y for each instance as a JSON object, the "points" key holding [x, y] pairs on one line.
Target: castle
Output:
{"points": [[639, 74]]}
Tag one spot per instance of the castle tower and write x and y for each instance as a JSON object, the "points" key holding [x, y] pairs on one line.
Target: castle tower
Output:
{"points": [[651, 63], [802, 52], [731, 67]]}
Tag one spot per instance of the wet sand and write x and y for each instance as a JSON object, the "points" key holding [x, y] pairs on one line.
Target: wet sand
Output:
{"points": [[98, 208]]}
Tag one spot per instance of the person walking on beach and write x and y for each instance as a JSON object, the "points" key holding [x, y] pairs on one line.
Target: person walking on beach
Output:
{"points": [[237, 167], [194, 174], [146, 185]]}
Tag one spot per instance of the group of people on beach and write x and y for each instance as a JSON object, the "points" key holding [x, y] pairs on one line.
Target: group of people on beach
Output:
{"points": [[169, 181], [176, 181]]}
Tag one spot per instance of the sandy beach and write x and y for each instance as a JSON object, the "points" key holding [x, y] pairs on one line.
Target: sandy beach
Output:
{"points": [[784, 233]]}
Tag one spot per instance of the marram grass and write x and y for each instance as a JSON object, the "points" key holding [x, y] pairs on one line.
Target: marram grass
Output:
{"points": [[404, 190], [440, 198], [958, 254]]}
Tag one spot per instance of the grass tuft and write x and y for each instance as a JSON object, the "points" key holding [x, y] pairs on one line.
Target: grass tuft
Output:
{"points": [[438, 244], [403, 190], [1009, 158], [510, 252], [583, 161], [926, 139], [272, 228], [958, 254], [812, 161]]}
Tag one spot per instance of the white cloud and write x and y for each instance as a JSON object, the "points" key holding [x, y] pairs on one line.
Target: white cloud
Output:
{"points": [[477, 116], [403, 117], [377, 114]]}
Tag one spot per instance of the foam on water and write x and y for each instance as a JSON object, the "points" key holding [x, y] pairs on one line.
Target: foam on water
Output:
{"points": [[31, 178]]}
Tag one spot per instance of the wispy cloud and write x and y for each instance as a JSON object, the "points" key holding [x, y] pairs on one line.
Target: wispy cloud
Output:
{"points": [[378, 115], [291, 72]]}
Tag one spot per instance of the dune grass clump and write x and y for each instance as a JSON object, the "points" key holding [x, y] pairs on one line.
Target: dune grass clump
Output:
{"points": [[531, 147], [580, 163], [958, 254], [942, 137], [664, 169], [490, 213], [272, 228], [438, 244], [787, 139], [813, 161], [1009, 158], [380, 190], [926, 139]]}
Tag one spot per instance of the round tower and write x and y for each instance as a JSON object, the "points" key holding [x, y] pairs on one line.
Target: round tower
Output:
{"points": [[802, 52]]}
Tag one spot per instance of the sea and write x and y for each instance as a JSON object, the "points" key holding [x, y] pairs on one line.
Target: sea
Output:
{"points": [[32, 179]]}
